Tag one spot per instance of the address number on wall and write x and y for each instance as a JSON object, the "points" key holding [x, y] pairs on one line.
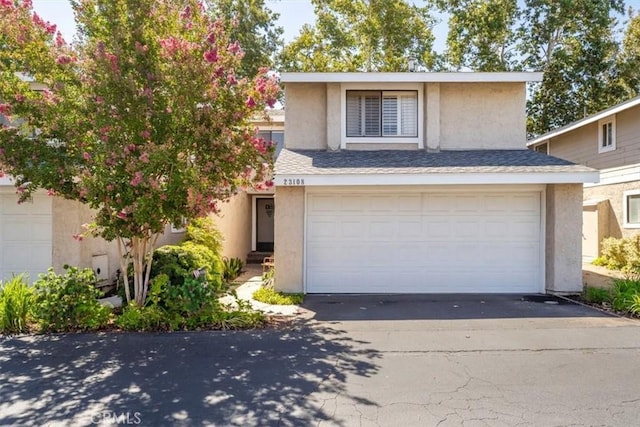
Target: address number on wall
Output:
{"points": [[293, 181]]}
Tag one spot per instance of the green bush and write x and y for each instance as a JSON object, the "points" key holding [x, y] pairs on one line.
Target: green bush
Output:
{"points": [[622, 294], [16, 298], [597, 295], [621, 254], [270, 296], [204, 232], [148, 318], [232, 268], [69, 301], [180, 261]]}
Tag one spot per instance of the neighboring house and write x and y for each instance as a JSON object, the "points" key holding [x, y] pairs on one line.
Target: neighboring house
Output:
{"points": [[246, 220], [608, 141], [38, 234], [419, 183]]}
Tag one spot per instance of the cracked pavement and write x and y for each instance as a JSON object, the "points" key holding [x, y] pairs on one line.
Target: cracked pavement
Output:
{"points": [[352, 361]]}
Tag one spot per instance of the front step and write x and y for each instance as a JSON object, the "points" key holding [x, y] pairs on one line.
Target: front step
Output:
{"points": [[257, 257]]}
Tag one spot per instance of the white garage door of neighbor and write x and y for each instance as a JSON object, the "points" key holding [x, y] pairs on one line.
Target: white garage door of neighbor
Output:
{"points": [[423, 243], [25, 235]]}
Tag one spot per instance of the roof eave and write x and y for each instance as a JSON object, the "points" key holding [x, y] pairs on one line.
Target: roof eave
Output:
{"points": [[461, 178], [418, 77], [633, 102]]}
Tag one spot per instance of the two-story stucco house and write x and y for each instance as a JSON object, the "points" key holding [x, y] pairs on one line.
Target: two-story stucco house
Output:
{"points": [[420, 183], [608, 141]]}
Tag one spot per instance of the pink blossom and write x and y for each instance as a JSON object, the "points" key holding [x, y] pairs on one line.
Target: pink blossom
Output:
{"points": [[1, 174], [78, 237], [231, 79], [235, 47], [99, 100], [19, 97], [186, 13], [114, 61], [269, 183], [137, 179], [122, 215], [64, 59], [211, 38], [145, 134], [110, 187], [169, 110], [251, 102], [6, 3], [5, 109], [86, 156], [131, 147], [144, 157], [59, 40], [27, 4], [211, 55]]}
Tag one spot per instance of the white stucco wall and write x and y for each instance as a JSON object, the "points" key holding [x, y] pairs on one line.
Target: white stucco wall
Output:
{"points": [[482, 116], [68, 218], [306, 116], [289, 241], [234, 222], [564, 238]]}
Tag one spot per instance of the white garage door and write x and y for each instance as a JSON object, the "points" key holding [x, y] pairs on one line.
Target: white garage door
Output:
{"points": [[25, 235], [426, 242]]}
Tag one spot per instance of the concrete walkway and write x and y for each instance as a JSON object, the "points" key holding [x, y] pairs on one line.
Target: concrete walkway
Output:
{"points": [[250, 281]]}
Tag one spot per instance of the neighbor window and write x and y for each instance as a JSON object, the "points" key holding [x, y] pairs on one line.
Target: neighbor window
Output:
{"points": [[382, 114], [632, 209], [275, 136], [607, 135], [542, 148]]}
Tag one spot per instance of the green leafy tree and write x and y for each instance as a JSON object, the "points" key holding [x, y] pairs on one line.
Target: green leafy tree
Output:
{"points": [[254, 26], [144, 119], [362, 35], [572, 43], [628, 62], [481, 34]]}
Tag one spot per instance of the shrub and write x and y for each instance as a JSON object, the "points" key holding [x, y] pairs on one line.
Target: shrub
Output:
{"points": [[634, 307], [180, 261], [597, 295], [204, 232], [69, 301], [621, 254], [623, 293], [148, 318], [16, 298], [237, 319], [270, 296], [232, 268], [613, 252]]}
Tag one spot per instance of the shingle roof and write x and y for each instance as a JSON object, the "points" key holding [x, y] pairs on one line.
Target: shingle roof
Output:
{"points": [[313, 162]]}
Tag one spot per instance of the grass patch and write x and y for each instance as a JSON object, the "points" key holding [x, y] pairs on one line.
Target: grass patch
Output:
{"points": [[269, 296]]}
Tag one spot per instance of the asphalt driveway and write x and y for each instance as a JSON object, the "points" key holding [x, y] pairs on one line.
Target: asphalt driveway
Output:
{"points": [[366, 360]]}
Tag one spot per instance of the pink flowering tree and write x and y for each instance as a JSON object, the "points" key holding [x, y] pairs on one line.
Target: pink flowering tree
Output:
{"points": [[143, 118]]}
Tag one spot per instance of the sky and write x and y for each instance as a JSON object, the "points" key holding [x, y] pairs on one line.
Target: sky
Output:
{"points": [[293, 15]]}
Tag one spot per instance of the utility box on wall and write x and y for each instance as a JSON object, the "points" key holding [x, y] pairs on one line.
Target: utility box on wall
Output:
{"points": [[100, 265]]}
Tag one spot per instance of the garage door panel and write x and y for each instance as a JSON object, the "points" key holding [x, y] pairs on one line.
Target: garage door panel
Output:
{"points": [[423, 242], [25, 236]]}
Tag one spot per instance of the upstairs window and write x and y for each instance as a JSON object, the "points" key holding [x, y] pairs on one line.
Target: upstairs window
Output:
{"points": [[382, 114], [607, 135]]}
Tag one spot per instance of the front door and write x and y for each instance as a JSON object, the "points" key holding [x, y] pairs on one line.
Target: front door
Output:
{"points": [[265, 211]]}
